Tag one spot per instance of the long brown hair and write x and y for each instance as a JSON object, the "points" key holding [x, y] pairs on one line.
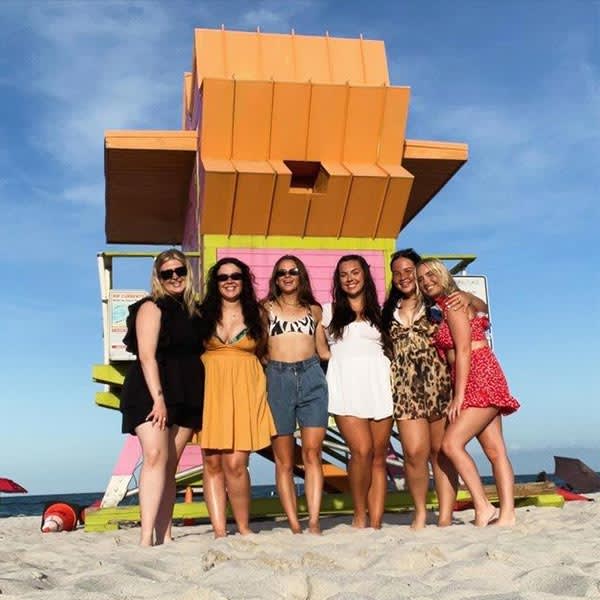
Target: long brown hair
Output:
{"points": [[212, 305], [305, 294], [342, 313]]}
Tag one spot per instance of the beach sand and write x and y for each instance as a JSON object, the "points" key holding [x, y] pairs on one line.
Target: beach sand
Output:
{"points": [[551, 553]]}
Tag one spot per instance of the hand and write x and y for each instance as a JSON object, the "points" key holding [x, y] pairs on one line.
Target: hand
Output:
{"points": [[455, 408], [459, 301], [158, 415]]}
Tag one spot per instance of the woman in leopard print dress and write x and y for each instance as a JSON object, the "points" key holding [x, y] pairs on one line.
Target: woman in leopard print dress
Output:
{"points": [[421, 387]]}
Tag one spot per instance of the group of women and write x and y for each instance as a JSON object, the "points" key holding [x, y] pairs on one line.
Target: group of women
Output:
{"points": [[246, 373]]}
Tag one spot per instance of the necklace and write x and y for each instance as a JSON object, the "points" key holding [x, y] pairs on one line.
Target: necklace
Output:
{"points": [[296, 304]]}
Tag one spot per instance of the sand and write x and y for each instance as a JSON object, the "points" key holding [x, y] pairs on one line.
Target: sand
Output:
{"points": [[551, 553]]}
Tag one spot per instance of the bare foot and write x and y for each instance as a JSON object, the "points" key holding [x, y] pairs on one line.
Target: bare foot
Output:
{"points": [[506, 520], [295, 527], [444, 523], [219, 534], [359, 522], [419, 521], [146, 543], [314, 527], [484, 517], [245, 530]]}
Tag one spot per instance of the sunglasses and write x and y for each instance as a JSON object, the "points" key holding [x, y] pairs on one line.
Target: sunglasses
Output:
{"points": [[283, 272], [168, 273], [223, 277]]}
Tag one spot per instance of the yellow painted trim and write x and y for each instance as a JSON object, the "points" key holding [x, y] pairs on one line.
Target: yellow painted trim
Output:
{"points": [[108, 400]]}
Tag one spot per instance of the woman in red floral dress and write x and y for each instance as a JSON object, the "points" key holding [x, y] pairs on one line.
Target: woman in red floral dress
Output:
{"points": [[480, 396]]}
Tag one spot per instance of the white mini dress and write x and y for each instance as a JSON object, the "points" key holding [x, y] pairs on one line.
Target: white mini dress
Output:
{"points": [[358, 374]]}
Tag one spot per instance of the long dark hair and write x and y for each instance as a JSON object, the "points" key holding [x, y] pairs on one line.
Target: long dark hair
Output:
{"points": [[305, 294], [212, 306], [394, 294], [342, 313]]}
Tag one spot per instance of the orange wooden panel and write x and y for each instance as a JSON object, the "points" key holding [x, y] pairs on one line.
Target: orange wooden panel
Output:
{"points": [[346, 60], [208, 53], [363, 124], [311, 58], [252, 120], [375, 61], [366, 196], [186, 96], [393, 128], [289, 121], [424, 149], [217, 189], [327, 122], [289, 210], [327, 210], [216, 126], [391, 215], [242, 59], [277, 57], [253, 197]]}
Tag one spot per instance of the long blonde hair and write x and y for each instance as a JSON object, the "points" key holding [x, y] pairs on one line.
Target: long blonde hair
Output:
{"points": [[158, 289], [444, 276]]}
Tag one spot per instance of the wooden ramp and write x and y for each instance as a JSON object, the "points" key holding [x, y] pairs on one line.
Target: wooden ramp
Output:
{"points": [[533, 494]]}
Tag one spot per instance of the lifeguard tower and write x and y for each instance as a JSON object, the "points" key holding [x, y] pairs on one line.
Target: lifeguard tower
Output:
{"points": [[289, 143]]}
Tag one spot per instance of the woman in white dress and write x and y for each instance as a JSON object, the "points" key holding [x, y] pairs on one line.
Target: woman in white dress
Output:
{"points": [[358, 376]]}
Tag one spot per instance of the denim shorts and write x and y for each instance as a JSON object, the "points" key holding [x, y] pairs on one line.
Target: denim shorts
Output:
{"points": [[297, 391]]}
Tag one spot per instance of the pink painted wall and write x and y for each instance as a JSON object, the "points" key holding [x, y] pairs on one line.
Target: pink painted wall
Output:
{"points": [[319, 263], [131, 455]]}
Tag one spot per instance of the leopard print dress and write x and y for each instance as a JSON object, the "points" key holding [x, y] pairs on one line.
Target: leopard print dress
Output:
{"points": [[421, 382]]}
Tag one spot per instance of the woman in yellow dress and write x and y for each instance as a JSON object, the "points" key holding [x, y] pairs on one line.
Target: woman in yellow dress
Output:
{"points": [[236, 419]]}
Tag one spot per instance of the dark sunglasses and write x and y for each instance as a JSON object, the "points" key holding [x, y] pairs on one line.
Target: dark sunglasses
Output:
{"points": [[283, 272], [223, 277], [168, 273]]}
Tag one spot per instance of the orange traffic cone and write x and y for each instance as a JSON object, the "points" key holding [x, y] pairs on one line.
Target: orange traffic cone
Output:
{"points": [[59, 517]]}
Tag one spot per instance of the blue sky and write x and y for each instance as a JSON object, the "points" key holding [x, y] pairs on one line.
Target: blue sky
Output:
{"points": [[519, 81]]}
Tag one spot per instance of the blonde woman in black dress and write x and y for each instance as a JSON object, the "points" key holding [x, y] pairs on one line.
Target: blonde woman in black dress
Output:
{"points": [[163, 393]]}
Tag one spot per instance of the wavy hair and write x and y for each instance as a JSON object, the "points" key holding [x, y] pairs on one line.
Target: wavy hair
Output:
{"points": [[444, 276], [305, 294], [394, 294], [157, 287], [212, 305], [342, 313]]}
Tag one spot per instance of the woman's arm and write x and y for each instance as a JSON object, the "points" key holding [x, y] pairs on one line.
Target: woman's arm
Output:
{"points": [[462, 301], [321, 345], [460, 330], [147, 328], [263, 353]]}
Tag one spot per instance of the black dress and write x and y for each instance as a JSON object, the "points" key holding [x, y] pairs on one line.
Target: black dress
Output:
{"points": [[180, 369]]}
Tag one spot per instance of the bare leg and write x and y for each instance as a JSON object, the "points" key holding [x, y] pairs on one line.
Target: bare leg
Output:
{"points": [[380, 434], [414, 437], [237, 481], [312, 444], [214, 491], [470, 423], [283, 449], [178, 438], [155, 448], [357, 434], [444, 473], [492, 442]]}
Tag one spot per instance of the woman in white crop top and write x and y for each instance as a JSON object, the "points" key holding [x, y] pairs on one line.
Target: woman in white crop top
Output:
{"points": [[297, 389], [358, 377]]}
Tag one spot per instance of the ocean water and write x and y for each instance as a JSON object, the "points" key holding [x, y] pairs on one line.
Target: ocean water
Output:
{"points": [[27, 505]]}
